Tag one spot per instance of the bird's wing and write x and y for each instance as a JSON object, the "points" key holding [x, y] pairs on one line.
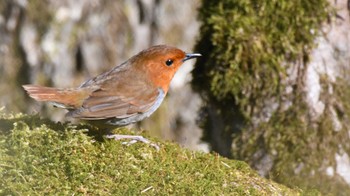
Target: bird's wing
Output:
{"points": [[117, 99]]}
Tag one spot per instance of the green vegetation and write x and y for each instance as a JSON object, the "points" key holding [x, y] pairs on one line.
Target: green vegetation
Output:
{"points": [[251, 77], [40, 157], [249, 45]]}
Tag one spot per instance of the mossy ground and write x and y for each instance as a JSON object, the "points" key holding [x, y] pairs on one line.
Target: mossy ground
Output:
{"points": [[39, 157]]}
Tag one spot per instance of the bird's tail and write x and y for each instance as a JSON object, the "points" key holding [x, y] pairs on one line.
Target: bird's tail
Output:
{"points": [[66, 98]]}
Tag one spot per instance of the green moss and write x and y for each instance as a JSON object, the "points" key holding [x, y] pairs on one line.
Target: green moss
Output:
{"points": [[249, 49], [41, 157], [248, 46]]}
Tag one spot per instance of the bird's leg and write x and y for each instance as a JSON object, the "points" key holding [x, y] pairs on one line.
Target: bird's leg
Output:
{"points": [[134, 139]]}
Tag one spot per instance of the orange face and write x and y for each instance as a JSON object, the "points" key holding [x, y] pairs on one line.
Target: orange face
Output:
{"points": [[160, 63], [163, 67]]}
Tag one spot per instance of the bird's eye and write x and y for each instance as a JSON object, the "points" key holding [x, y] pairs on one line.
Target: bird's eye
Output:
{"points": [[169, 62]]}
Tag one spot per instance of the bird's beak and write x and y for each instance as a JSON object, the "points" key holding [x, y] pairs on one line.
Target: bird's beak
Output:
{"points": [[191, 56]]}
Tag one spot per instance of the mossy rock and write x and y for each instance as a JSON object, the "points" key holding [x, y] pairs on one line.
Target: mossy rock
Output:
{"points": [[39, 157], [252, 80]]}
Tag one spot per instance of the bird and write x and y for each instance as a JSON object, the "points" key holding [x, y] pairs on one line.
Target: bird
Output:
{"points": [[126, 94]]}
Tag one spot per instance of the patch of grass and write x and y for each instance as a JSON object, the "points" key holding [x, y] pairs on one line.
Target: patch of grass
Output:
{"points": [[39, 157]]}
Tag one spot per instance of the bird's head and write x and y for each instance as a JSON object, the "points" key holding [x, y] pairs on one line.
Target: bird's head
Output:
{"points": [[161, 62]]}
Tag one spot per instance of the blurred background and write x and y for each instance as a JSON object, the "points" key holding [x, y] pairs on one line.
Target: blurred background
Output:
{"points": [[272, 87]]}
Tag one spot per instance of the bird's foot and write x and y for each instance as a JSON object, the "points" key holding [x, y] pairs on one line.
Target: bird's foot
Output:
{"points": [[133, 138]]}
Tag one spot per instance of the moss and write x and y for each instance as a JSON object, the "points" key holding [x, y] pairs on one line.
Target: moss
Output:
{"points": [[248, 45], [249, 49], [39, 157]]}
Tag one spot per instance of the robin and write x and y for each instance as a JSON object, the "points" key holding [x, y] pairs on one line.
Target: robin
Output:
{"points": [[128, 93]]}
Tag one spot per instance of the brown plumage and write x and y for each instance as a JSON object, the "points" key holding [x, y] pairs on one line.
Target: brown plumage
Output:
{"points": [[126, 94]]}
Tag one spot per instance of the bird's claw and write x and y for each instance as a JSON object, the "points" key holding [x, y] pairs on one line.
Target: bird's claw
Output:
{"points": [[134, 139], [129, 143]]}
